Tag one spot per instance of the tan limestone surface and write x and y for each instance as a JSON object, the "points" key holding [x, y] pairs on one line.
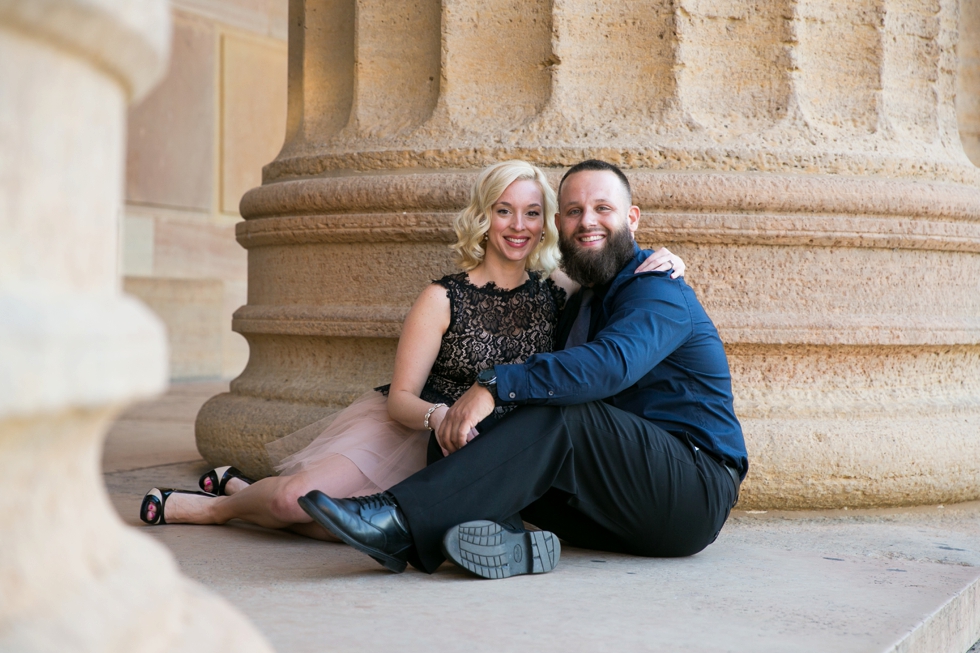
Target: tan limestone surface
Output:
{"points": [[253, 92], [191, 309], [263, 17], [803, 156], [170, 144], [968, 79], [195, 145], [814, 87], [164, 254], [73, 348]]}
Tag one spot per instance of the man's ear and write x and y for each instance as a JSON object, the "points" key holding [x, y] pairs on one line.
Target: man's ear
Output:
{"points": [[633, 220]]}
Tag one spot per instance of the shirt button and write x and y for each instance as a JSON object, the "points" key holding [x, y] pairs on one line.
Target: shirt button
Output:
{"points": [[551, 393], [512, 395]]}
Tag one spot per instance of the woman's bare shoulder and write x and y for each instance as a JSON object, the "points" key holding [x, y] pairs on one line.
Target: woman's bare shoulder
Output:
{"points": [[435, 293], [432, 307]]}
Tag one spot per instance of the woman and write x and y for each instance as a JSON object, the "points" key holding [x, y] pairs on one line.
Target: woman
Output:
{"points": [[502, 309]]}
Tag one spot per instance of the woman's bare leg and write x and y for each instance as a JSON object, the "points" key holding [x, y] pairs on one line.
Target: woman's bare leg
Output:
{"points": [[271, 502]]}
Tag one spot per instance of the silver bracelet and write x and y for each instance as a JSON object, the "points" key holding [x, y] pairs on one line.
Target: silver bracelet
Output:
{"points": [[425, 420]]}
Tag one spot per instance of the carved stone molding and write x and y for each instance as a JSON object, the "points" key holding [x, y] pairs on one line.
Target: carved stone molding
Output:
{"points": [[666, 191]]}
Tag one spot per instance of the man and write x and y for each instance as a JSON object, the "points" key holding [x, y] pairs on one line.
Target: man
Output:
{"points": [[625, 439]]}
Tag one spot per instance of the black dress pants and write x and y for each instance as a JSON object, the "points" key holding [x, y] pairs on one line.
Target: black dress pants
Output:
{"points": [[597, 476]]}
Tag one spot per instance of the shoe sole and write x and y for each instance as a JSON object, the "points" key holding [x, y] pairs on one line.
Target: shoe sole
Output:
{"points": [[389, 562], [488, 550]]}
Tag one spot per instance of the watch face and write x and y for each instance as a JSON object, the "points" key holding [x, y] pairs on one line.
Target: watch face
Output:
{"points": [[486, 377]]}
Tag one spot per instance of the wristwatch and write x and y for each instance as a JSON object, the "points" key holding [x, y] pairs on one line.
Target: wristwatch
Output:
{"points": [[488, 379]]}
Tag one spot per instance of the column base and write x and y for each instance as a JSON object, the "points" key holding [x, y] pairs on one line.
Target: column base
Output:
{"points": [[848, 307], [74, 576]]}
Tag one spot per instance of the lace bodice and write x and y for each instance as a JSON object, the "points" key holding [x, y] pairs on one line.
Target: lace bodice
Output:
{"points": [[490, 326]]}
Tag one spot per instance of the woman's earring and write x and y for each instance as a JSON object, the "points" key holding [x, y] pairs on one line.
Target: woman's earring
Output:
{"points": [[486, 238], [542, 238]]}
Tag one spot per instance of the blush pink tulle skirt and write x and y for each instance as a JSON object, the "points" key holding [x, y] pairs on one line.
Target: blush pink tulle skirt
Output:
{"points": [[385, 451]]}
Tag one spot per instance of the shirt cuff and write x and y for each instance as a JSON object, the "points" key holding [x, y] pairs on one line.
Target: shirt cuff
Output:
{"points": [[511, 383]]}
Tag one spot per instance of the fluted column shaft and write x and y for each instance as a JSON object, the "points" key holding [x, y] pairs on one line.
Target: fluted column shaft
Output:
{"points": [[73, 349], [803, 155]]}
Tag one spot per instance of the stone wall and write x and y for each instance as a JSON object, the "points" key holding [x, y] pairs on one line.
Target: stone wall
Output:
{"points": [[195, 145]]}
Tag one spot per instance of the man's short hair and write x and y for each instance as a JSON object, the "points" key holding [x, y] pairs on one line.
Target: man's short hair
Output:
{"points": [[596, 164]]}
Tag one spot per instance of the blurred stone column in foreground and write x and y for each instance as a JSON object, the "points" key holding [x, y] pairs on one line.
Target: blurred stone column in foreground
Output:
{"points": [[802, 155], [968, 79], [73, 349]]}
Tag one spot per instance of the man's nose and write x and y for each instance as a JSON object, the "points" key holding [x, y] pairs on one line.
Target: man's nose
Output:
{"points": [[589, 218]]}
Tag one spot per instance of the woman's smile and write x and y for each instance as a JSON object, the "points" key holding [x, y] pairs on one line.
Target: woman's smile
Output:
{"points": [[516, 221]]}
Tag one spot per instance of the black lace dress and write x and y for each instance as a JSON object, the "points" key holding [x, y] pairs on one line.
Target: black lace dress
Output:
{"points": [[488, 326]]}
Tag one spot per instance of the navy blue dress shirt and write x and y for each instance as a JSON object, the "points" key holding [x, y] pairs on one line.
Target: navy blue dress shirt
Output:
{"points": [[652, 351]]}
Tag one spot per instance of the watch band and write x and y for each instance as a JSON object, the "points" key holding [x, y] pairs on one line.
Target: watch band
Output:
{"points": [[489, 383]]}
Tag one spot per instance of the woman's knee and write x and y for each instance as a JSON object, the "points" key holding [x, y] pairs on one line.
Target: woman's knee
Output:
{"points": [[284, 504]]}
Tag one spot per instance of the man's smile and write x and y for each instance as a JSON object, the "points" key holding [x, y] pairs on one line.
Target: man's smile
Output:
{"points": [[591, 239]]}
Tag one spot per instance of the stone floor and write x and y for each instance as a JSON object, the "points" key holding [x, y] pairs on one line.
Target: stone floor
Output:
{"points": [[892, 580]]}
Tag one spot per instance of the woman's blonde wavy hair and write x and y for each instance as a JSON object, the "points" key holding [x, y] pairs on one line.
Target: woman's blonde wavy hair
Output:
{"points": [[474, 221]]}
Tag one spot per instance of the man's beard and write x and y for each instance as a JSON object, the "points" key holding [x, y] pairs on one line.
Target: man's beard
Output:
{"points": [[595, 268]]}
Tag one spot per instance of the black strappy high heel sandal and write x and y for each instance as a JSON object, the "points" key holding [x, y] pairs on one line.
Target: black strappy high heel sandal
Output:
{"points": [[214, 482], [154, 502]]}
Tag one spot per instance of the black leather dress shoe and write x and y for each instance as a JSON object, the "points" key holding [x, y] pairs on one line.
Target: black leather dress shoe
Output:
{"points": [[487, 549], [373, 525]]}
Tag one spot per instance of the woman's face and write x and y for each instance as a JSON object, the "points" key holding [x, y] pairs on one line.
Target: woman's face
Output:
{"points": [[516, 221]]}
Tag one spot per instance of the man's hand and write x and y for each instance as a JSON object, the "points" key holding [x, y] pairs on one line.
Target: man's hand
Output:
{"points": [[661, 261], [453, 431]]}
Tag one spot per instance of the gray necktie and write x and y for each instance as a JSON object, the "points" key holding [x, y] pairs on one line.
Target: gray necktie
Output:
{"points": [[580, 328]]}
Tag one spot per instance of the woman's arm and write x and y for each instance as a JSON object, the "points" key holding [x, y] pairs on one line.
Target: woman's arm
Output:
{"points": [[418, 347]]}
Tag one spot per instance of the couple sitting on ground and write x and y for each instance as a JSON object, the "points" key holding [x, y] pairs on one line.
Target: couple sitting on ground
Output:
{"points": [[607, 422]]}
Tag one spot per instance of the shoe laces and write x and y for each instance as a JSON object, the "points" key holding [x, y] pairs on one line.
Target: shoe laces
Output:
{"points": [[375, 501]]}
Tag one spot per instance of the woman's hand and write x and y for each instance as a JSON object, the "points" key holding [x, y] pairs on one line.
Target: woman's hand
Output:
{"points": [[437, 416], [661, 261], [453, 431]]}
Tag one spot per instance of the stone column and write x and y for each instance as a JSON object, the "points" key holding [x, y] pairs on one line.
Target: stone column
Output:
{"points": [[802, 155], [968, 79], [73, 349]]}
